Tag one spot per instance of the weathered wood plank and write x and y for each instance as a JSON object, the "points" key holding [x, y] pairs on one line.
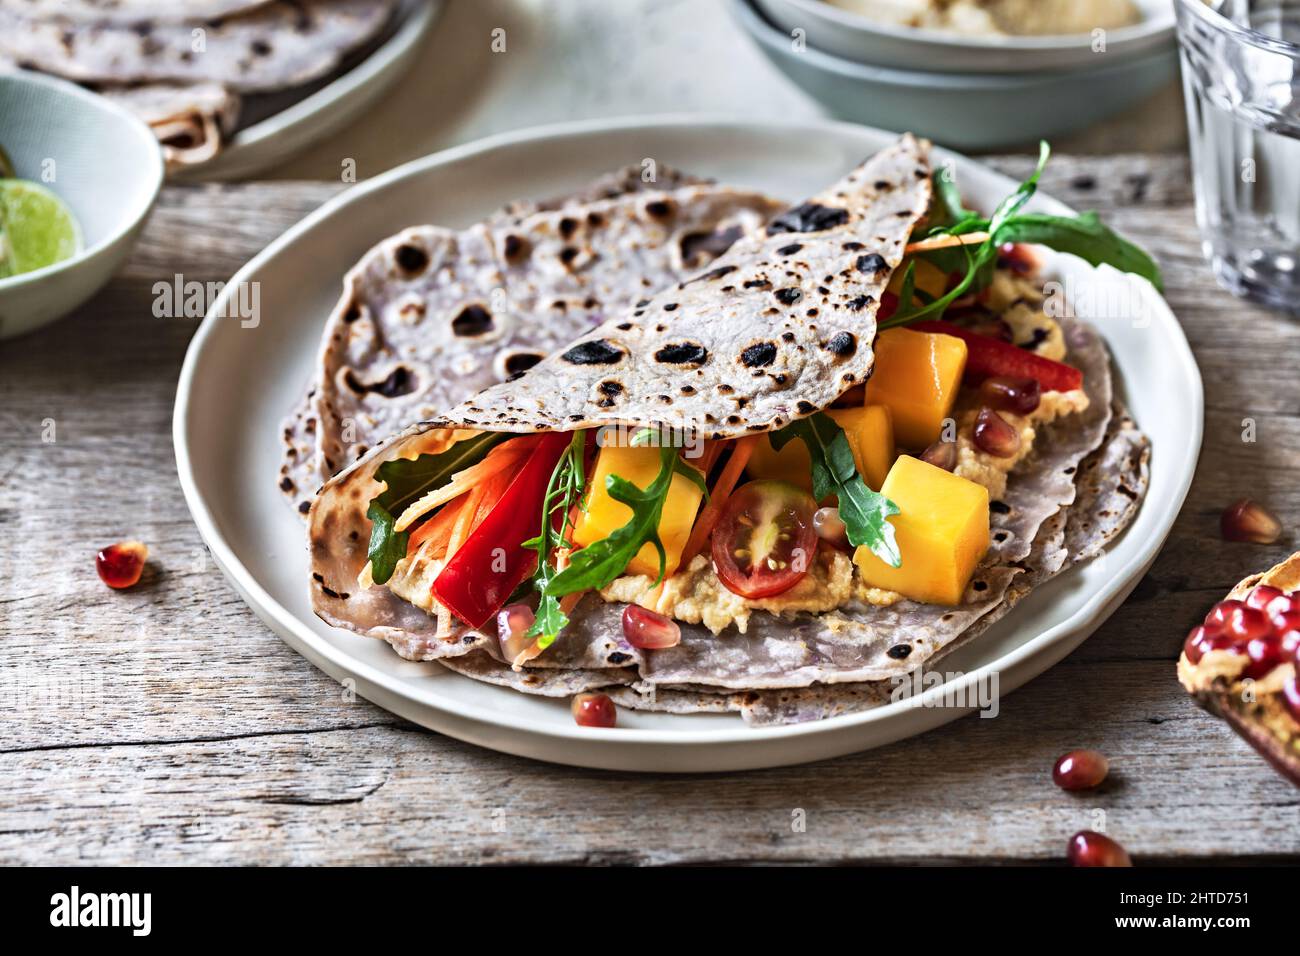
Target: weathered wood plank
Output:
{"points": [[166, 724]]}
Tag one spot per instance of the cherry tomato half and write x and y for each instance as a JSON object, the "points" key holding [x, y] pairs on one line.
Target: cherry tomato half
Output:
{"points": [[764, 541]]}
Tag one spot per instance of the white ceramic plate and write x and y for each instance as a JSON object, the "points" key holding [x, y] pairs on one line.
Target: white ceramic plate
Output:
{"points": [[307, 120], [238, 383], [855, 37]]}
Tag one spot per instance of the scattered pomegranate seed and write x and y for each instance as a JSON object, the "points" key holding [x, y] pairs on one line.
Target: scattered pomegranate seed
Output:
{"points": [[994, 435], [648, 630], [594, 710], [1089, 848], [513, 622], [120, 565], [1080, 770], [1009, 394], [942, 454], [830, 527], [1291, 697], [1248, 520]]}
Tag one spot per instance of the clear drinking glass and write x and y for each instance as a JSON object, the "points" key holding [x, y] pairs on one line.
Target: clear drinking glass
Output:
{"points": [[1241, 77]]}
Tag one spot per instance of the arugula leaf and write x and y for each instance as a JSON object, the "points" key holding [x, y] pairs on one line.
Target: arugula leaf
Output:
{"points": [[408, 480], [834, 472], [1084, 236], [564, 488], [600, 562]]}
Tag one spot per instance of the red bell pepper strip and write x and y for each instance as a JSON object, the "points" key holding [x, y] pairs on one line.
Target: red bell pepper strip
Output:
{"points": [[484, 572], [987, 357]]}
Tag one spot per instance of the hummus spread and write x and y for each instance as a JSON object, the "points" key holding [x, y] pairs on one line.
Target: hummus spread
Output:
{"points": [[695, 595], [999, 17], [991, 471]]}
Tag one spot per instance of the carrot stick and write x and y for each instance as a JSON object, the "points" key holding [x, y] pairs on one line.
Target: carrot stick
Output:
{"points": [[945, 242], [498, 459], [463, 521], [718, 496], [438, 528]]}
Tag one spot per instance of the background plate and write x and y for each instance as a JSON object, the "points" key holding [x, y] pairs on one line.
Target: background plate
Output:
{"points": [[238, 383], [304, 120]]}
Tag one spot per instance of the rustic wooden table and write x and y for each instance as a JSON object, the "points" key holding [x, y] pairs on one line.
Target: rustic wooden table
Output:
{"points": [[168, 725]]}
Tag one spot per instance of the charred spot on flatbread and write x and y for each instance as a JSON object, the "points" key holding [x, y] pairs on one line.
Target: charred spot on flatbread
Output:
{"points": [[759, 354], [515, 248], [871, 263], [701, 247], [659, 209], [808, 217], [594, 352], [842, 344], [683, 353], [412, 260], [400, 381], [514, 362], [473, 320], [788, 296]]}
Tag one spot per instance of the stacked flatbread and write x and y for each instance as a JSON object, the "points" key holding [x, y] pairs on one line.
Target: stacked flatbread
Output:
{"points": [[432, 315], [184, 66]]}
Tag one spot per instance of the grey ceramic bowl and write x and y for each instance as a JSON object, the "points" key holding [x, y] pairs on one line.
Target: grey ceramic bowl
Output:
{"points": [[966, 111], [106, 166]]}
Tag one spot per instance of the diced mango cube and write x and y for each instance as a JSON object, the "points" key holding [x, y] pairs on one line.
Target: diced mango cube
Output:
{"points": [[916, 375], [791, 463], [926, 277], [870, 433], [942, 529], [603, 515]]}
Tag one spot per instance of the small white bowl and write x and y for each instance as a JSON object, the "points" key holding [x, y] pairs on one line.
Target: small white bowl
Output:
{"points": [[963, 110], [102, 161], [855, 37]]}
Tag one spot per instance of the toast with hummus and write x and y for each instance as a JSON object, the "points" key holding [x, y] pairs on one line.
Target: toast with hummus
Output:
{"points": [[851, 442]]}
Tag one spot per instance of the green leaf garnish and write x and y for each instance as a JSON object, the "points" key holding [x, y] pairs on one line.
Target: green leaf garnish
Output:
{"points": [[564, 488], [408, 480], [600, 562], [1083, 235], [863, 511]]}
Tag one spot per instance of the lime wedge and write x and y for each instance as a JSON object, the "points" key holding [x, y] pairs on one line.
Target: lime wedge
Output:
{"points": [[6, 166], [36, 228]]}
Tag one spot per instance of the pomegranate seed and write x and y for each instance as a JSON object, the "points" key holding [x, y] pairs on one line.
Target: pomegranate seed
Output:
{"points": [[1262, 596], [1020, 395], [942, 454], [1197, 643], [513, 623], [594, 710], [1291, 697], [1080, 770], [120, 565], [994, 435], [1288, 643], [1018, 258], [1264, 654], [1089, 848], [1245, 623], [830, 527], [648, 630], [1248, 520]]}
